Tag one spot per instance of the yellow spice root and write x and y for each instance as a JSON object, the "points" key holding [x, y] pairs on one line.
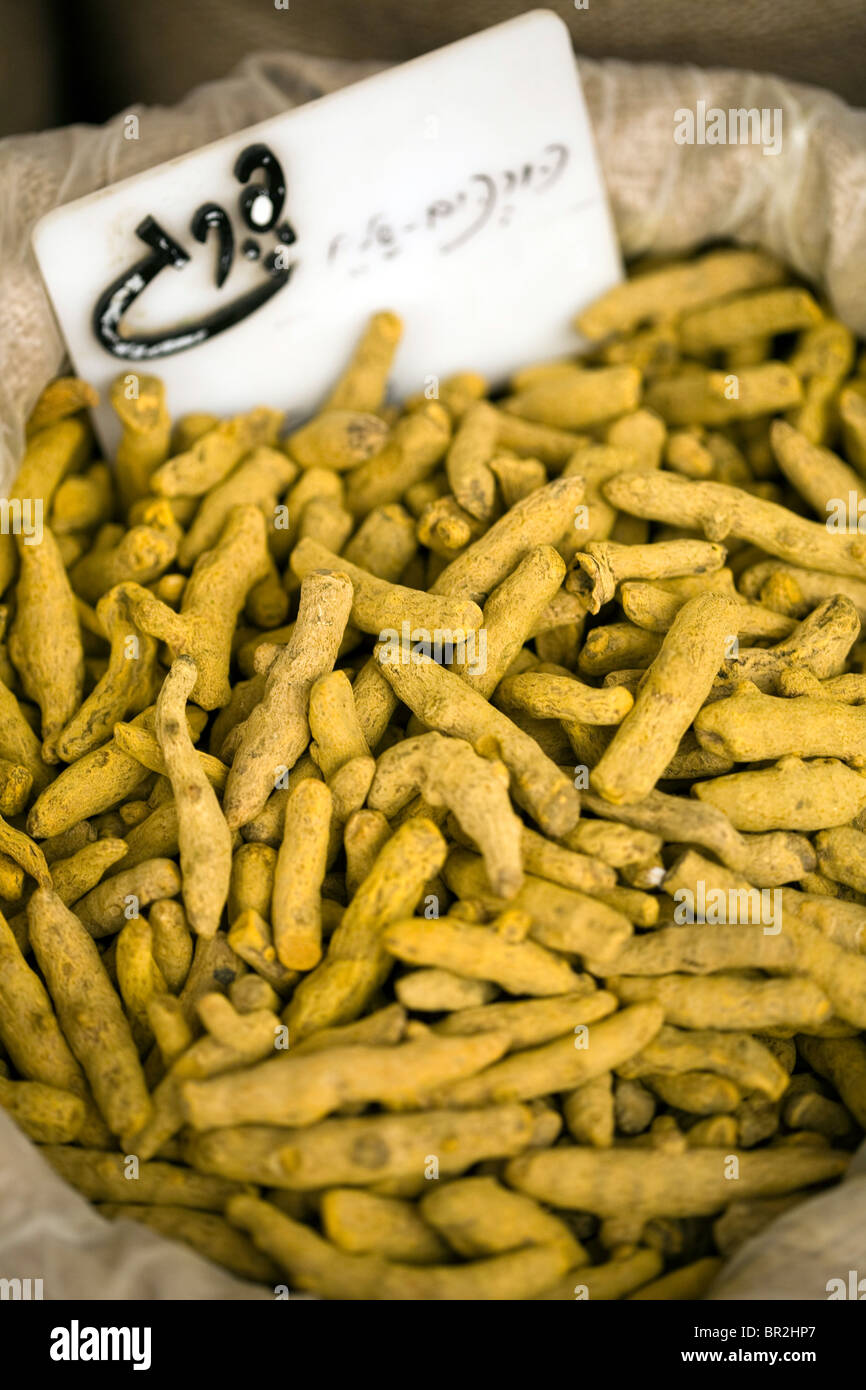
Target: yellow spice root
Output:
{"points": [[433, 843]]}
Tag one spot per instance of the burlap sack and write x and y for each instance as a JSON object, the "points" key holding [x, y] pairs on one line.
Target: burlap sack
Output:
{"points": [[92, 58], [50, 1233], [807, 204]]}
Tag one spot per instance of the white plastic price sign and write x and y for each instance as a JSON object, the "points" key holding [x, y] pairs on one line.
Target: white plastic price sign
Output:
{"points": [[460, 189]]}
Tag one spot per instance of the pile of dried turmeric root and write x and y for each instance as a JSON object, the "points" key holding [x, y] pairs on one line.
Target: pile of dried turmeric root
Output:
{"points": [[507, 941]]}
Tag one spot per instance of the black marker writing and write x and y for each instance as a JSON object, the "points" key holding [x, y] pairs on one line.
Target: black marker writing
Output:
{"points": [[261, 206], [486, 198]]}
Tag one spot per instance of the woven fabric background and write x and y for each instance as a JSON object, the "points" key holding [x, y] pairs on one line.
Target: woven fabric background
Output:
{"points": [[86, 60]]}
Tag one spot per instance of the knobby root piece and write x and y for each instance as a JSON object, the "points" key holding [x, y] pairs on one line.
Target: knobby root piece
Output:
{"points": [[379, 607], [512, 614], [212, 599], [139, 979], [362, 1152], [577, 398], [215, 454], [793, 795], [447, 772], [750, 726], [533, 1021], [648, 1184], [562, 1064], [291, 1090], [103, 1177], [676, 289], [128, 686], [46, 1114], [51, 453], [667, 701], [438, 697], [478, 1216], [298, 874], [313, 1264], [497, 954], [410, 455], [89, 1011], [727, 1001], [542, 518], [357, 961], [441, 991], [205, 1232], [604, 565], [259, 480], [691, 1282], [737, 1055], [362, 384], [605, 1282], [275, 734], [721, 511], [765, 860], [364, 1223], [45, 641], [562, 919]]}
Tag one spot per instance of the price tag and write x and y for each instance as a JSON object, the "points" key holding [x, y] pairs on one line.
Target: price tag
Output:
{"points": [[460, 189]]}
